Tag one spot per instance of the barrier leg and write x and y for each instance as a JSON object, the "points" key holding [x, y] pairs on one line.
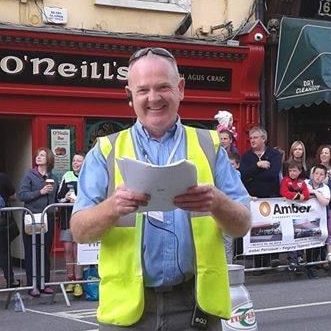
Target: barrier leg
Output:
{"points": [[19, 305], [65, 295]]}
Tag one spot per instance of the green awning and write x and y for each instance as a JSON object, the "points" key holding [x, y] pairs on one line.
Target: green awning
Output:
{"points": [[303, 72]]}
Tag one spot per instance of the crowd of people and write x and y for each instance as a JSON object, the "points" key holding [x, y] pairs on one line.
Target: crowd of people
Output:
{"points": [[267, 173], [38, 189]]}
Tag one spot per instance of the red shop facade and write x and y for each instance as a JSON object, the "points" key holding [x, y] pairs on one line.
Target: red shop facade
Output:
{"points": [[65, 88]]}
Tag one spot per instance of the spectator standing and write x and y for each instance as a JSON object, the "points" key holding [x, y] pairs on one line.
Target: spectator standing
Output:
{"points": [[150, 265], [7, 192], [37, 194], [323, 156], [227, 141], [293, 187], [319, 190], [228, 240], [298, 153], [260, 167], [68, 193]]}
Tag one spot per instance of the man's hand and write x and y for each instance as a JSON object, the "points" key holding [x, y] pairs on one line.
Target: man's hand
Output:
{"points": [[233, 217], [104, 215], [263, 164], [124, 201], [200, 198]]}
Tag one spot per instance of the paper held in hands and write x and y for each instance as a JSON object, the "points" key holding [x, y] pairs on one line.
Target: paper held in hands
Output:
{"points": [[163, 183]]}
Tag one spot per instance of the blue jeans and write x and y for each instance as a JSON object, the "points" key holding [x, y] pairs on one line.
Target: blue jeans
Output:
{"points": [[168, 310]]}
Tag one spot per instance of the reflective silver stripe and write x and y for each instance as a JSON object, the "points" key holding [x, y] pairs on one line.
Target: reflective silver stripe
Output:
{"points": [[127, 220], [111, 163], [207, 144], [200, 214]]}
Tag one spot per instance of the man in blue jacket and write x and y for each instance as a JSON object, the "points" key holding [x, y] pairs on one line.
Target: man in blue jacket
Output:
{"points": [[260, 169]]}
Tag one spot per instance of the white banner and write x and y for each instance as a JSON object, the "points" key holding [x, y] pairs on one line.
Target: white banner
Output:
{"points": [[88, 253], [281, 225]]}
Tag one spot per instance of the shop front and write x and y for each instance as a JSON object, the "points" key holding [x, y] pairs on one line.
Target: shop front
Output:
{"points": [[64, 88], [302, 80], [75, 81]]}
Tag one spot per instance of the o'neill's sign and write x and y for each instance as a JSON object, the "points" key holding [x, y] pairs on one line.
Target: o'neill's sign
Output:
{"points": [[93, 71]]}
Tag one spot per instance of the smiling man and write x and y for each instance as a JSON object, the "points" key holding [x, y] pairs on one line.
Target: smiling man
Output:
{"points": [[160, 270]]}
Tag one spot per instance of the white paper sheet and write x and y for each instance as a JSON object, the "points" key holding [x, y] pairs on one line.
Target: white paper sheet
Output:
{"points": [[163, 183]]}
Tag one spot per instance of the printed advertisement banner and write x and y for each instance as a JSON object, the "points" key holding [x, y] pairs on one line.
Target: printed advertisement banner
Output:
{"points": [[281, 225], [88, 253]]}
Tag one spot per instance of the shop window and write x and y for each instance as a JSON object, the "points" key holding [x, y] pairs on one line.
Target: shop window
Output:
{"points": [[62, 141], [210, 125], [312, 125], [102, 127], [177, 6]]}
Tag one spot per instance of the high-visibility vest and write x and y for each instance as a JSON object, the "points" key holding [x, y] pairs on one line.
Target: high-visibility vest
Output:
{"points": [[121, 300]]}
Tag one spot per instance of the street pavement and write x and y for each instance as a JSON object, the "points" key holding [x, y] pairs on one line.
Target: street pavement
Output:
{"points": [[281, 301]]}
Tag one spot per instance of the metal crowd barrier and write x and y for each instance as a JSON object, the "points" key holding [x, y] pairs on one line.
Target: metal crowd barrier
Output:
{"points": [[256, 263], [9, 214], [59, 267]]}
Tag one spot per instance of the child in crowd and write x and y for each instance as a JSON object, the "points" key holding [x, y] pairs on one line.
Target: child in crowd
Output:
{"points": [[292, 187], [68, 193], [316, 186], [234, 158], [321, 191], [228, 240]]}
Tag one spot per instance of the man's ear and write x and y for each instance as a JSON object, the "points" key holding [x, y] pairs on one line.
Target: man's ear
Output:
{"points": [[129, 95], [181, 87]]}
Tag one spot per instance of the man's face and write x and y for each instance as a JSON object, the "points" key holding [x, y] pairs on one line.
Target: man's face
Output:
{"points": [[257, 141], [156, 92]]}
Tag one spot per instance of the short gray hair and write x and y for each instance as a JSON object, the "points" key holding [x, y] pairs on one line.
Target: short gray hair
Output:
{"points": [[260, 130]]}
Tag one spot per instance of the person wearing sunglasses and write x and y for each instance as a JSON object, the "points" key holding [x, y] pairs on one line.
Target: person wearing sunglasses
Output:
{"points": [[160, 270]]}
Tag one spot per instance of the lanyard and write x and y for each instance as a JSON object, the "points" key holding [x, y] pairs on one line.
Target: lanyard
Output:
{"points": [[138, 143]]}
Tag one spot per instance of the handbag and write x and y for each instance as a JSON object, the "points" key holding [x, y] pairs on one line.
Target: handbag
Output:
{"points": [[8, 226], [39, 227]]}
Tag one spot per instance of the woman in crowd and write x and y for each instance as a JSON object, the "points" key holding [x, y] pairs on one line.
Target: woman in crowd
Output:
{"points": [[227, 141], [323, 156], [37, 192], [298, 153], [68, 193]]}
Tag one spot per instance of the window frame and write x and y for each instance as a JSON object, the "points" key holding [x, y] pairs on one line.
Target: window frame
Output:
{"points": [[143, 4]]}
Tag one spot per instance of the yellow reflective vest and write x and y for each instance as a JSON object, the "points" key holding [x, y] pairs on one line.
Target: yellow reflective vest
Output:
{"points": [[120, 258]]}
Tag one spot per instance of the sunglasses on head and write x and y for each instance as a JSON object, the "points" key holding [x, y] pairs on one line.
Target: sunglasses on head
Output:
{"points": [[144, 51]]}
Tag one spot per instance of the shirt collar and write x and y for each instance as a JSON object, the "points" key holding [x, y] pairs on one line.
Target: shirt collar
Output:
{"points": [[316, 186], [174, 131]]}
